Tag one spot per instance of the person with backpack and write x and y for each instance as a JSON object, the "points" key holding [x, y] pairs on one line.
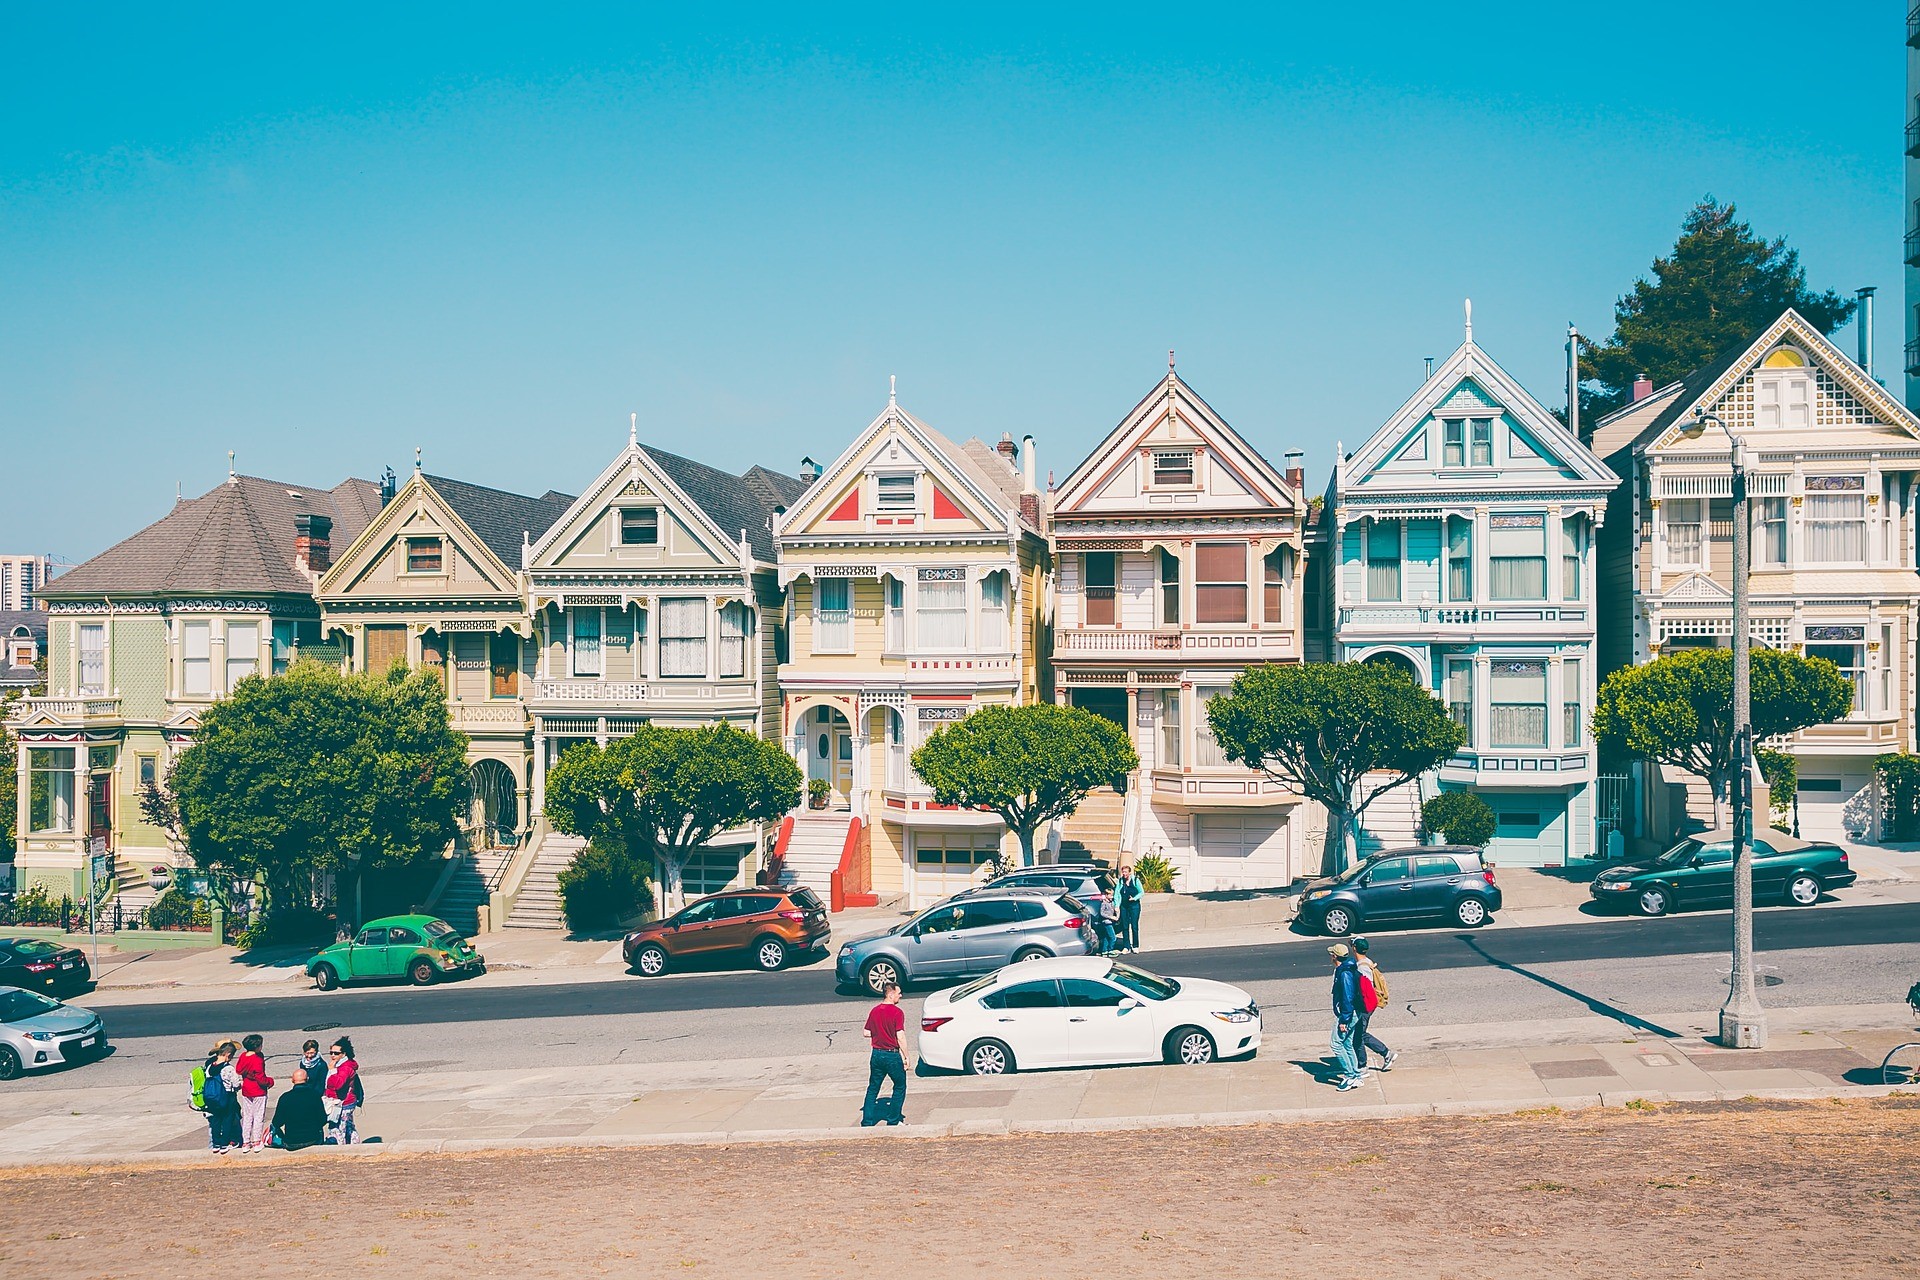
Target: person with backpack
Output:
{"points": [[345, 1091], [1373, 994], [1106, 922], [211, 1096], [1346, 1010], [255, 1085]]}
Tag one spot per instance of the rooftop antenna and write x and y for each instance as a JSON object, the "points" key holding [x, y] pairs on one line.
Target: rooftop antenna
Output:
{"points": [[633, 430], [230, 476], [1573, 379], [1429, 366], [1469, 319]]}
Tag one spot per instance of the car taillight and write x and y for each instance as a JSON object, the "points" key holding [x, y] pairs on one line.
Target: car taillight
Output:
{"points": [[933, 1024], [1488, 873], [793, 915], [1073, 922], [1843, 855], [42, 966]]}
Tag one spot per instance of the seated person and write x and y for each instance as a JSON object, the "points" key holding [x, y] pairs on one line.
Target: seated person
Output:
{"points": [[300, 1117]]}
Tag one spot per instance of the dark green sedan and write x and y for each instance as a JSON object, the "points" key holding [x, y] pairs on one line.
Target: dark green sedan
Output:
{"points": [[1698, 872]]}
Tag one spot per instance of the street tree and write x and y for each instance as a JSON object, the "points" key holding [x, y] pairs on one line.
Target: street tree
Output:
{"points": [[1719, 287], [1341, 733], [1030, 765], [663, 793], [1678, 709], [319, 771]]}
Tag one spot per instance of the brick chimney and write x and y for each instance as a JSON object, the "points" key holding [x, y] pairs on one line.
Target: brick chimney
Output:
{"points": [[313, 543], [1642, 388], [1007, 450], [1296, 473]]}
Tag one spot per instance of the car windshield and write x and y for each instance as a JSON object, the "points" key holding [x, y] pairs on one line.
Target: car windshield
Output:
{"points": [[1679, 855], [1142, 983], [18, 1006], [437, 929], [973, 988], [1352, 873]]}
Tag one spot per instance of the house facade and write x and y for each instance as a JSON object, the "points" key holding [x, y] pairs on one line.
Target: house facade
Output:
{"points": [[23, 640], [1178, 553], [915, 572], [1460, 548], [142, 639], [1832, 463]]}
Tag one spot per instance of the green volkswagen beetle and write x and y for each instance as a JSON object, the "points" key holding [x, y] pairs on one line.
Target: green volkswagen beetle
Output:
{"points": [[421, 949], [1698, 872]]}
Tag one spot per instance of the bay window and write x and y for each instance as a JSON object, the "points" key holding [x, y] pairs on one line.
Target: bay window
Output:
{"points": [[1519, 694], [1220, 582], [896, 593], [1517, 546], [1383, 560], [196, 659], [1570, 558], [1845, 648], [993, 612], [1770, 531], [1207, 752], [942, 609], [735, 625], [586, 642], [1169, 729], [1572, 682], [1460, 694], [1836, 520], [1274, 589], [1459, 559], [243, 651], [683, 636], [50, 790], [832, 615], [93, 658]]}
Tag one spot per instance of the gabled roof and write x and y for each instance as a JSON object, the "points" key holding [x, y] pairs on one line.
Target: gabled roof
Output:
{"points": [[734, 503], [237, 537], [500, 519], [34, 620]]}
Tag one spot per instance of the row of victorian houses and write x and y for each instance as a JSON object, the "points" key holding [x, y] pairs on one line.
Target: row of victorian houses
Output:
{"points": [[850, 611]]}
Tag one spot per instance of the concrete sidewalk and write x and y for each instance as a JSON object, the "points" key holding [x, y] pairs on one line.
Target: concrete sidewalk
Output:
{"points": [[1442, 1070]]}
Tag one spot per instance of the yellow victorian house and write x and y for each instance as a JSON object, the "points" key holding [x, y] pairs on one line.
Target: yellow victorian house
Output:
{"points": [[916, 573]]}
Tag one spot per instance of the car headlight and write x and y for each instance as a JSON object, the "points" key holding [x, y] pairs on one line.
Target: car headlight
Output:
{"points": [[1234, 1015], [43, 1036], [1318, 893]]}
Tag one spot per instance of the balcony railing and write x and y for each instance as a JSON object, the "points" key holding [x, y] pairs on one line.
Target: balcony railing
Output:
{"points": [[1913, 358], [1913, 248], [589, 691], [1913, 137], [507, 713], [1913, 27], [1145, 644], [69, 708]]}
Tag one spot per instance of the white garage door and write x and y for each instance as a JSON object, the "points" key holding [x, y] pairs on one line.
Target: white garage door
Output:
{"points": [[1237, 835], [945, 862], [1828, 802]]}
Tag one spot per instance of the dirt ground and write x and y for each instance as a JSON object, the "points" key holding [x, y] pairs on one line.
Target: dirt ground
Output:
{"points": [[1779, 1190]]}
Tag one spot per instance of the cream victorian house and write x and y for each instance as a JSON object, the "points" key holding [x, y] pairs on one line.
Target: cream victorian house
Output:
{"points": [[916, 572], [1178, 553]]}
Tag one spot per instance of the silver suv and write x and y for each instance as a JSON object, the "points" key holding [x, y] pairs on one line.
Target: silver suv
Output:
{"points": [[1087, 882], [966, 936]]}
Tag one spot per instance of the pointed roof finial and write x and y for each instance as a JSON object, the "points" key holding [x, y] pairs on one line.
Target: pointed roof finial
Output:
{"points": [[633, 430], [893, 386], [416, 459], [1469, 319], [1169, 359], [231, 478]]}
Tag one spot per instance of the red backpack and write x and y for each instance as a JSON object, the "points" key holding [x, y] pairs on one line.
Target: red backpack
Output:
{"points": [[1369, 998]]}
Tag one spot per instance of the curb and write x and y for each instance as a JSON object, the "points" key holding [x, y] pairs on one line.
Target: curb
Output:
{"points": [[979, 1128]]}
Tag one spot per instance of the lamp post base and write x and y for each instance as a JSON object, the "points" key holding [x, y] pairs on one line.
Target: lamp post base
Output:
{"points": [[1743, 1030]]}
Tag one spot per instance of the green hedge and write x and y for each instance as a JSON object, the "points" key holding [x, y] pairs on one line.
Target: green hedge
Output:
{"points": [[602, 887], [1899, 775]]}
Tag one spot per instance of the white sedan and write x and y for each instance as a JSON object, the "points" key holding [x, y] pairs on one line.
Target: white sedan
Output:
{"points": [[1084, 1011]]}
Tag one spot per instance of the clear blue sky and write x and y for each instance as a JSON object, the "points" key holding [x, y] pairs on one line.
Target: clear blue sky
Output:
{"points": [[324, 235]]}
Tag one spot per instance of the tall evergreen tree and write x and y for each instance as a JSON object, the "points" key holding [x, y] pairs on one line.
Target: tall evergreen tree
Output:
{"points": [[1719, 287]]}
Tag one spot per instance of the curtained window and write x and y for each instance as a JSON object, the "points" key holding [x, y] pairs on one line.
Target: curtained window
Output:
{"points": [[993, 612], [93, 658], [1518, 557], [1519, 690], [1169, 565], [1460, 694], [1836, 527], [1459, 559], [942, 606], [196, 658], [1220, 582], [243, 651], [735, 625], [586, 642], [683, 636], [1383, 560], [833, 615]]}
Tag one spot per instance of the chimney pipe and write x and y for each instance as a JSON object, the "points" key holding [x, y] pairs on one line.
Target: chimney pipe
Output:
{"points": [[313, 543], [1027, 465], [809, 471], [1642, 388], [1863, 326]]}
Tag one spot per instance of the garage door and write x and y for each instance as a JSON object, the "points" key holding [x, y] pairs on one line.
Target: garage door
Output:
{"points": [[945, 862], [1829, 803], [1527, 835], [1237, 835]]}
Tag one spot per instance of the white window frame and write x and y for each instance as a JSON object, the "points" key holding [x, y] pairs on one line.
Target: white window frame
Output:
{"points": [[956, 588], [1367, 533], [1817, 529], [735, 622], [886, 484], [246, 663], [620, 526], [577, 652], [823, 640], [702, 638], [1173, 456], [439, 542], [994, 633], [192, 663], [92, 682], [1463, 718], [1685, 539]]}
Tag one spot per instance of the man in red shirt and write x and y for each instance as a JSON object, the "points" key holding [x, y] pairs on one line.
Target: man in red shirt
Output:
{"points": [[885, 1024]]}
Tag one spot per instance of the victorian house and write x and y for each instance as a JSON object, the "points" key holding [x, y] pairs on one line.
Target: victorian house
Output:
{"points": [[1831, 460], [1178, 553], [916, 572], [1460, 547], [142, 638]]}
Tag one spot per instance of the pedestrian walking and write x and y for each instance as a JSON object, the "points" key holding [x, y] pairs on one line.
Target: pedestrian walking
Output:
{"points": [[216, 1098], [1129, 891], [300, 1118], [886, 1023], [1346, 1005], [1375, 982], [255, 1084], [313, 1064], [346, 1092]]}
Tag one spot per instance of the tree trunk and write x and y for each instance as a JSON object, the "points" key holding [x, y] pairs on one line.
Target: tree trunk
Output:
{"points": [[670, 884], [1026, 845], [1722, 789], [1338, 853]]}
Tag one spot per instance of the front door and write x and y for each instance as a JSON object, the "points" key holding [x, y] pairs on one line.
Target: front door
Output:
{"points": [[843, 760], [100, 809]]}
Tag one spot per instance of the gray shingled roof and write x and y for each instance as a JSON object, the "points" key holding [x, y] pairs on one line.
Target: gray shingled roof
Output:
{"points": [[237, 537], [1692, 387], [501, 519], [737, 504], [34, 620]]}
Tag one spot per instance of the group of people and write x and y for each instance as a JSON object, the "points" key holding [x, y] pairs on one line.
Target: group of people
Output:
{"points": [[1117, 916], [319, 1106], [1359, 988]]}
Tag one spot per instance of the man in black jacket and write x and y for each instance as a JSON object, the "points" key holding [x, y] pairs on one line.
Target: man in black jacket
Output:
{"points": [[300, 1118]]}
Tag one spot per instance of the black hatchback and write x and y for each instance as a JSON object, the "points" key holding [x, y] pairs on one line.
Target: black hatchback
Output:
{"points": [[1425, 883]]}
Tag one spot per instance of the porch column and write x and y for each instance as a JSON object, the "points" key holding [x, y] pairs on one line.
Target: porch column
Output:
{"points": [[23, 776], [857, 801], [539, 767]]}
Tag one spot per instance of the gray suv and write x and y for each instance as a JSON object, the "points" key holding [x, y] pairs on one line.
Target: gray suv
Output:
{"points": [[966, 936], [1451, 883]]}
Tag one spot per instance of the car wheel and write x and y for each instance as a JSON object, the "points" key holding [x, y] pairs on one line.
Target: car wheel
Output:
{"points": [[770, 954], [651, 961], [1338, 922], [878, 974], [1803, 890], [1030, 953], [1190, 1046], [1470, 912], [325, 978], [422, 973], [989, 1058], [1654, 901], [9, 1063]]}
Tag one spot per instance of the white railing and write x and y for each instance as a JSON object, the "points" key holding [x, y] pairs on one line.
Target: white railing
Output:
{"points": [[589, 691], [489, 713], [68, 707], [1104, 643]]}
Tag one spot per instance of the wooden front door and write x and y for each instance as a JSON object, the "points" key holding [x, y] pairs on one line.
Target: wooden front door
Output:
{"points": [[504, 659], [100, 809]]}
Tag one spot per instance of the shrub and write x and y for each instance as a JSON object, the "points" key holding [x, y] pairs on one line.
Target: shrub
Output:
{"points": [[32, 905], [1782, 773], [1460, 817], [175, 910], [290, 926], [602, 887], [1156, 873], [1899, 775]]}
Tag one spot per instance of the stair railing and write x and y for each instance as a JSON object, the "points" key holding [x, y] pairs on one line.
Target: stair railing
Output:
{"points": [[513, 873]]}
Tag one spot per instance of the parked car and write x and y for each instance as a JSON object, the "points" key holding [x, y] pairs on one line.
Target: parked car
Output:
{"points": [[770, 925], [421, 949], [1084, 1011], [1088, 882], [1698, 872], [39, 965], [973, 935], [38, 1033], [1404, 886]]}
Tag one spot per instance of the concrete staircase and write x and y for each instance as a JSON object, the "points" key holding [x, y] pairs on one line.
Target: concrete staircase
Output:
{"points": [[537, 906], [1391, 822], [1093, 829], [466, 891], [813, 852], [132, 891]]}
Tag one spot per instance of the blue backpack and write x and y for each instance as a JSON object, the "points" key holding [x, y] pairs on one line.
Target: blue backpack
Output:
{"points": [[215, 1092]]}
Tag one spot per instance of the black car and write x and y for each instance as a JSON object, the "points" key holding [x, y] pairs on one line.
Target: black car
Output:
{"points": [[35, 964], [1404, 886]]}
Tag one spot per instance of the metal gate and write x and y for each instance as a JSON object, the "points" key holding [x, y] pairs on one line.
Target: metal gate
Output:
{"points": [[1612, 809]]}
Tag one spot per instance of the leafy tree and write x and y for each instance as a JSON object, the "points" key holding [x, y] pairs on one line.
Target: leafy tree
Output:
{"points": [[665, 792], [317, 771], [602, 887], [1678, 709], [1031, 765], [1719, 287], [1782, 773], [1341, 733], [1460, 817]]}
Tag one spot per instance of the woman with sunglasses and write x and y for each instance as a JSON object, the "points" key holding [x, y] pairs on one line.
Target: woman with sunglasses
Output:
{"points": [[344, 1095]]}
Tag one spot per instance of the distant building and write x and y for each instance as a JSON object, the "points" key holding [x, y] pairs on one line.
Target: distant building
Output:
{"points": [[20, 577], [1911, 253]]}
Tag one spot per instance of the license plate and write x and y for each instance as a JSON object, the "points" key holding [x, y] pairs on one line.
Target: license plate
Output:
{"points": [[89, 1042], [66, 964]]}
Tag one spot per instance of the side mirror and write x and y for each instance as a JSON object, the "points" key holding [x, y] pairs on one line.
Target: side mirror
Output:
{"points": [[1694, 861], [1130, 1003]]}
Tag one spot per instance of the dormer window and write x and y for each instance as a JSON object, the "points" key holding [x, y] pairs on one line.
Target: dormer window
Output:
{"points": [[1783, 391], [423, 555], [1172, 468], [639, 527], [894, 493], [1457, 435]]}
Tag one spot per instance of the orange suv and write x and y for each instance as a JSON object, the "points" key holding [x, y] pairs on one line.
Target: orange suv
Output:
{"points": [[770, 925]]}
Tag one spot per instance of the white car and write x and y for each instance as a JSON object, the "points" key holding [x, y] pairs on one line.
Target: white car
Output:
{"points": [[1084, 1011], [37, 1034]]}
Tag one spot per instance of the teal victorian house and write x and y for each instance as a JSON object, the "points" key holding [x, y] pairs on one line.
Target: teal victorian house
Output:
{"points": [[1458, 544]]}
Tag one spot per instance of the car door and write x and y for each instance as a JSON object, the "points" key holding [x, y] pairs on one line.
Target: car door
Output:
{"points": [[403, 944], [1106, 1024], [1031, 1017], [367, 956], [1709, 881], [994, 931], [733, 924], [1769, 871], [937, 947], [1436, 883], [691, 933], [1388, 893]]}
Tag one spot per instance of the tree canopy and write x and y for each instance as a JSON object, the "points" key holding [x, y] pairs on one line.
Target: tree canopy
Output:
{"points": [[1678, 709], [1031, 765], [1341, 733], [317, 770], [1719, 287], [665, 792]]}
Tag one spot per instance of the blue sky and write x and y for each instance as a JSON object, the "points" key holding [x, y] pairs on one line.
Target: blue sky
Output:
{"points": [[324, 237]]}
